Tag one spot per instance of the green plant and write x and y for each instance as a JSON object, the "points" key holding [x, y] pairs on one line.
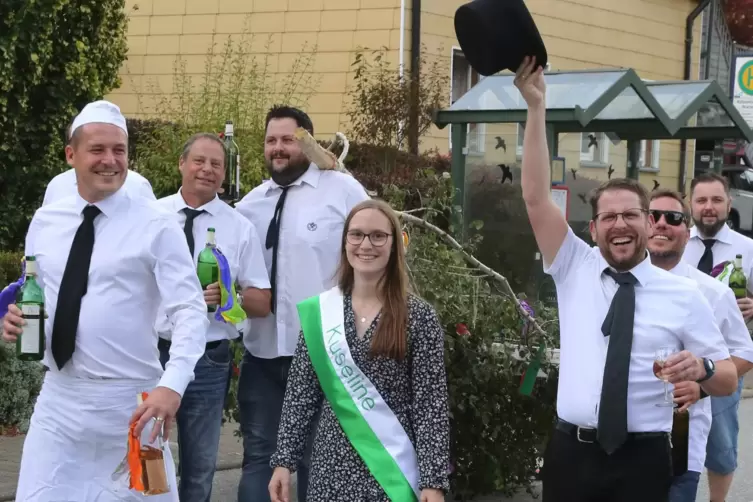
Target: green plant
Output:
{"points": [[497, 433], [22, 381], [236, 85], [55, 56], [381, 100]]}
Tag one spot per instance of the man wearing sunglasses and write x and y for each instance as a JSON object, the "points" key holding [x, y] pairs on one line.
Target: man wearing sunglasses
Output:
{"points": [[666, 247], [712, 244]]}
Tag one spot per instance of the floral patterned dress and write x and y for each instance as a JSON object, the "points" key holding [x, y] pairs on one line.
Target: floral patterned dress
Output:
{"points": [[415, 389]]}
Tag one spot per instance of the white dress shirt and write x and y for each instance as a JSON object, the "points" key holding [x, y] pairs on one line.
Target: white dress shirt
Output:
{"points": [[669, 311], [736, 336], [728, 244], [65, 184], [238, 241], [140, 259], [310, 242]]}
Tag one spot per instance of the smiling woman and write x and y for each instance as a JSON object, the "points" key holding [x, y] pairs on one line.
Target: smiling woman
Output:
{"points": [[371, 356]]}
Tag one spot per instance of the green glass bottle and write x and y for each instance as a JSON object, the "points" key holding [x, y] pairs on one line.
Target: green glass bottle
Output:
{"points": [[30, 299], [737, 280], [208, 268]]}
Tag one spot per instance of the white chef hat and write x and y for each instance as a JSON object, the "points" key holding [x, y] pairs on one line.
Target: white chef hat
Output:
{"points": [[100, 112]]}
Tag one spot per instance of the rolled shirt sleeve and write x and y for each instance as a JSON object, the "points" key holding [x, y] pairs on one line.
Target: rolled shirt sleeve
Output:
{"points": [[253, 269], [700, 334], [733, 327]]}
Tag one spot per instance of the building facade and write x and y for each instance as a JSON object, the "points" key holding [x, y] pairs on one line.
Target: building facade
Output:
{"points": [[646, 35]]}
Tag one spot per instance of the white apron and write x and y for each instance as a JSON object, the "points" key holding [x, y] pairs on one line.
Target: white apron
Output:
{"points": [[77, 439]]}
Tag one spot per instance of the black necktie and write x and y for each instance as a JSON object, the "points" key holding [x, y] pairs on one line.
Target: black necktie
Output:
{"points": [[706, 263], [73, 287], [618, 326], [191, 215], [273, 239]]}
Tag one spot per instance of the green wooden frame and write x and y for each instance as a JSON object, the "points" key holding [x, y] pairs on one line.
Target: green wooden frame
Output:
{"points": [[582, 119]]}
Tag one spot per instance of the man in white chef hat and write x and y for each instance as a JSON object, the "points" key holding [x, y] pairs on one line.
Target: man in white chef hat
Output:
{"points": [[106, 259], [65, 183]]}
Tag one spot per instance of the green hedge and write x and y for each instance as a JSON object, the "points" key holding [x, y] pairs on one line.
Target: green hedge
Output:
{"points": [[21, 381]]}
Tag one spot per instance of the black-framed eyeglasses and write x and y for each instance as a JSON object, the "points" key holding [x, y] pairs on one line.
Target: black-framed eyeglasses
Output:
{"points": [[673, 218], [377, 237], [629, 216]]}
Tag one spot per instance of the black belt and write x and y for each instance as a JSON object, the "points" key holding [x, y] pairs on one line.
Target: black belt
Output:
{"points": [[163, 344], [586, 435]]}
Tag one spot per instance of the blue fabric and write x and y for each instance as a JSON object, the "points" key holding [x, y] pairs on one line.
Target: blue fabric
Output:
{"points": [[8, 294], [721, 449], [200, 422], [684, 488]]}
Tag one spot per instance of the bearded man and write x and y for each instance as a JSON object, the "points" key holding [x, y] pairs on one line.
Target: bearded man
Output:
{"points": [[299, 215], [712, 244]]}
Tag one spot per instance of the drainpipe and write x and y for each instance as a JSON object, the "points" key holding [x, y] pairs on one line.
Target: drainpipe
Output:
{"points": [[689, 21], [401, 67], [415, 73]]}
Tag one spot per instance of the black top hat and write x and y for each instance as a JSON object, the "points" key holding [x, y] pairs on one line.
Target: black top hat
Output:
{"points": [[497, 34]]}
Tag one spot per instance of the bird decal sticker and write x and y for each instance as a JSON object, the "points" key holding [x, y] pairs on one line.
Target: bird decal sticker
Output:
{"points": [[574, 171], [582, 197], [610, 171], [506, 173], [656, 184], [592, 142], [500, 144]]}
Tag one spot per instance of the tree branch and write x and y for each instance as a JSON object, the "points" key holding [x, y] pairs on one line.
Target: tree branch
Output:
{"points": [[447, 238]]}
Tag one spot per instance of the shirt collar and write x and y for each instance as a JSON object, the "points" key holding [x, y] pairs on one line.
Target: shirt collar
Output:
{"points": [[310, 177], [108, 205], [212, 207], [642, 272], [723, 235]]}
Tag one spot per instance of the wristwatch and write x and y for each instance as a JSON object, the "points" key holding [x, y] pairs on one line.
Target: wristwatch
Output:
{"points": [[708, 364]]}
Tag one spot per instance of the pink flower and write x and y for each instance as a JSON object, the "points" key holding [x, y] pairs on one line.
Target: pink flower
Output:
{"points": [[461, 329]]}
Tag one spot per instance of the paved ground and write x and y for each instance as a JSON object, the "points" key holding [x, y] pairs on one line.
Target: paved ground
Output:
{"points": [[231, 451]]}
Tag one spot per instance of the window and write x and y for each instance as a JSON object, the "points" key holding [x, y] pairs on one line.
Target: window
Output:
{"points": [[521, 132], [594, 147], [463, 78], [649, 158]]}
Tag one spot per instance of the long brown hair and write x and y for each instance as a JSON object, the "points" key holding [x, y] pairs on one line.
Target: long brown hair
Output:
{"points": [[390, 338]]}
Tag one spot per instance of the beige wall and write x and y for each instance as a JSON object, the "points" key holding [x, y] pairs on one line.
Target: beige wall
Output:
{"points": [[645, 35], [161, 30]]}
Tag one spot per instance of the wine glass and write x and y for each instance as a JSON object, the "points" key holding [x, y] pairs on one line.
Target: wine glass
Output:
{"points": [[660, 357]]}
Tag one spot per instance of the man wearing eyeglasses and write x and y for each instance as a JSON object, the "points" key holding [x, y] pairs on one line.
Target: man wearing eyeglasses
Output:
{"points": [[666, 246], [619, 315], [713, 244]]}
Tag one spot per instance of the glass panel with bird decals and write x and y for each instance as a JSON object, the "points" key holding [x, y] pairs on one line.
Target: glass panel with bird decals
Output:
{"points": [[563, 91]]}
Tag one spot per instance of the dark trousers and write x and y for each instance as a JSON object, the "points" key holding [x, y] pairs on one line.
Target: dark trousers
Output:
{"points": [[261, 391], [574, 471]]}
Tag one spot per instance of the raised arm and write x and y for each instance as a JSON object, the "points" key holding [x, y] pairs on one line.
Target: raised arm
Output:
{"points": [[548, 223]]}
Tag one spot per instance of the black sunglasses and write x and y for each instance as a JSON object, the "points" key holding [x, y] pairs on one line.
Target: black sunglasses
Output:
{"points": [[673, 218]]}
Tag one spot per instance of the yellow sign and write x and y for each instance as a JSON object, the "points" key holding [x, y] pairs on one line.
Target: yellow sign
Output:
{"points": [[406, 239]]}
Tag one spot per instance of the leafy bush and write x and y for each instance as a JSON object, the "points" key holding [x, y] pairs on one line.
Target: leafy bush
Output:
{"points": [[497, 433], [22, 381], [238, 86], [384, 104], [55, 56]]}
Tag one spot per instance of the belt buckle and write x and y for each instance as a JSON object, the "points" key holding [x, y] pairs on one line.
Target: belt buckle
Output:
{"points": [[577, 435]]}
